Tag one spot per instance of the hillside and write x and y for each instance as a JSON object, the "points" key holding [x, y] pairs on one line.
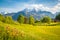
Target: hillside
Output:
{"points": [[30, 32]]}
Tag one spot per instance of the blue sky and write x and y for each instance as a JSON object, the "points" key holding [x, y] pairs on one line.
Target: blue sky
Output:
{"points": [[17, 5]]}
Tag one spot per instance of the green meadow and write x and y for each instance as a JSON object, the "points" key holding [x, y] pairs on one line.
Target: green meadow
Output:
{"points": [[29, 19], [29, 32]]}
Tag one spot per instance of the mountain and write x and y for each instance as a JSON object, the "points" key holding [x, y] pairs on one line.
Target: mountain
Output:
{"points": [[57, 13], [37, 14], [3, 12]]}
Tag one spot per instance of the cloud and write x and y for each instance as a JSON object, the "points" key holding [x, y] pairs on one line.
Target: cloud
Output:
{"points": [[15, 6], [54, 9], [10, 10]]}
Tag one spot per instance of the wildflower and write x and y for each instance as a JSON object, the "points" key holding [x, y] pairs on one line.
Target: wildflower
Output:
{"points": [[22, 34], [7, 28]]}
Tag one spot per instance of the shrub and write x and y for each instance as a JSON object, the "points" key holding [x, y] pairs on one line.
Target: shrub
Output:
{"points": [[7, 33]]}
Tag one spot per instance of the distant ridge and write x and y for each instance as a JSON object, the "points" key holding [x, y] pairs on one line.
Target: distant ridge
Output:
{"points": [[37, 14]]}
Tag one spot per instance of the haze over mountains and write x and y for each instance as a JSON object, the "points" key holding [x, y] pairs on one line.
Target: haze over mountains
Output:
{"points": [[36, 13]]}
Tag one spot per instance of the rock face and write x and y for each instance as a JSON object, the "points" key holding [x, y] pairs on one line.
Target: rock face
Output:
{"points": [[27, 12]]}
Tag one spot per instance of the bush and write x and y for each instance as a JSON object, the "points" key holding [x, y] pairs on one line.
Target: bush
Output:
{"points": [[7, 33]]}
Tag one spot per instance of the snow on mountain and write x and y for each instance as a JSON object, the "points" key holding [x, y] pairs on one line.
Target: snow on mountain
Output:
{"points": [[37, 13]]}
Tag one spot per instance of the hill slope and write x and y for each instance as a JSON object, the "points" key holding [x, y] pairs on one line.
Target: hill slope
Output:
{"points": [[30, 32]]}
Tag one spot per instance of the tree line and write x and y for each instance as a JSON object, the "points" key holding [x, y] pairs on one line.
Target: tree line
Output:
{"points": [[31, 20]]}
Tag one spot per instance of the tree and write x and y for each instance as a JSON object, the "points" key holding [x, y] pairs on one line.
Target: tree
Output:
{"points": [[31, 20], [46, 19], [1, 18], [20, 18], [58, 17], [25, 20], [8, 19]]}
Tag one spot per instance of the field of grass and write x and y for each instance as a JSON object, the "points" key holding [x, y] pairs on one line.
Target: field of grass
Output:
{"points": [[28, 32]]}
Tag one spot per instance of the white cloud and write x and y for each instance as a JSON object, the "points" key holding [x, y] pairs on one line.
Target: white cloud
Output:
{"points": [[54, 9], [7, 10], [10, 10]]}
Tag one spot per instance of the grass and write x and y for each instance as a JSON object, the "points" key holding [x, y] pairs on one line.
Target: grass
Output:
{"points": [[29, 32]]}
